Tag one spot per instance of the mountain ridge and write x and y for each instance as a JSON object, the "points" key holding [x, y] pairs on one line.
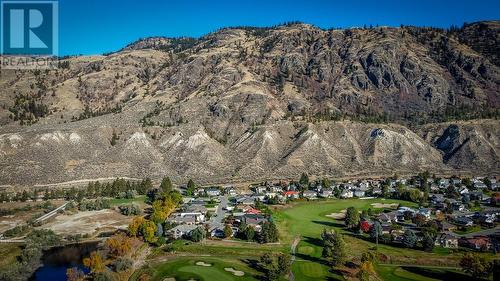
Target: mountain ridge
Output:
{"points": [[248, 103]]}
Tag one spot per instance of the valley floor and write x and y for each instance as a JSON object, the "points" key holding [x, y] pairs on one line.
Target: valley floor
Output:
{"points": [[302, 221]]}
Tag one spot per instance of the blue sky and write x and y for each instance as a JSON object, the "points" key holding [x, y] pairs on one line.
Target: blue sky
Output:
{"points": [[98, 26]]}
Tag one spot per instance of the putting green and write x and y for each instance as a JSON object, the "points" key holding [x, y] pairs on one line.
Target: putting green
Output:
{"points": [[311, 269], [306, 250]]}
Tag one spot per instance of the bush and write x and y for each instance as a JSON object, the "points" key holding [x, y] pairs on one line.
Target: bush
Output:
{"points": [[122, 264], [130, 210], [94, 205]]}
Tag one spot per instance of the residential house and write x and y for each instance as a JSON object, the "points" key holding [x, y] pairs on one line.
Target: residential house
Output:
{"points": [[186, 218], [309, 194], [424, 212], [479, 243], [346, 193], [359, 193], [464, 221], [180, 231], [377, 191], [480, 185], [231, 191], [446, 226], [245, 200], [476, 195], [291, 194], [456, 181], [253, 219], [388, 217], [446, 240], [326, 193], [213, 191], [260, 189]]}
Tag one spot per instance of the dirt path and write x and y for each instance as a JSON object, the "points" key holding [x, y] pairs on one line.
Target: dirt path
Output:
{"points": [[293, 250]]}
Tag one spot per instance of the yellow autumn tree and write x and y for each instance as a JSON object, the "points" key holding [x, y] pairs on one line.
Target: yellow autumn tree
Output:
{"points": [[95, 262], [75, 274], [119, 245], [162, 209], [148, 230], [135, 225]]}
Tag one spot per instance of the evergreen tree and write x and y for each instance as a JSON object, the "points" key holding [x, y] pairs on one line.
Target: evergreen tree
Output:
{"points": [[409, 239], [352, 217], [166, 185], [191, 187], [333, 247]]}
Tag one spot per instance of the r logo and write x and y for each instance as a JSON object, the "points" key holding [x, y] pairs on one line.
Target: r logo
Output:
{"points": [[29, 28]]}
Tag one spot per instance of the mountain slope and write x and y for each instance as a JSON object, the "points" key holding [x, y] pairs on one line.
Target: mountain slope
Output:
{"points": [[247, 103]]}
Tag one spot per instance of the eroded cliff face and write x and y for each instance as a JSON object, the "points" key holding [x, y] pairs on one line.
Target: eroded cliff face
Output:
{"points": [[250, 103]]}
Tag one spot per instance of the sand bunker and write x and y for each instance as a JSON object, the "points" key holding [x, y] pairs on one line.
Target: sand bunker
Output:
{"points": [[234, 271], [382, 205], [338, 216], [201, 263]]}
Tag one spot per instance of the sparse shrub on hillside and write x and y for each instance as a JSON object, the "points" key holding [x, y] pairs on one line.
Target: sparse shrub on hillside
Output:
{"points": [[94, 205]]}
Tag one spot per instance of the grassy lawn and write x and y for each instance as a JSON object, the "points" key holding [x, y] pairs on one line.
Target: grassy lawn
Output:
{"points": [[139, 200], [185, 268], [9, 253], [308, 219], [417, 273]]}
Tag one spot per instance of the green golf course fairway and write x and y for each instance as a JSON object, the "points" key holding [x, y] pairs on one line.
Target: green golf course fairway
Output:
{"points": [[185, 268]]}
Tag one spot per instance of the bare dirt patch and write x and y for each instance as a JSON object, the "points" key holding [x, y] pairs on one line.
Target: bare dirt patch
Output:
{"points": [[385, 205], [234, 271], [89, 222], [338, 216], [22, 216]]}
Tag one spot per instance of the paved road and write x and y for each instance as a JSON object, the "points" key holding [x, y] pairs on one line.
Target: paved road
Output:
{"points": [[51, 213], [491, 231], [216, 219]]}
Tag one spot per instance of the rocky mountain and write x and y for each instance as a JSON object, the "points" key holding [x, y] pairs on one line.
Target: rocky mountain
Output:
{"points": [[249, 103]]}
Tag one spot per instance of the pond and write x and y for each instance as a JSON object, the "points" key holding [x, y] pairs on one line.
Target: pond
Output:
{"points": [[57, 260]]}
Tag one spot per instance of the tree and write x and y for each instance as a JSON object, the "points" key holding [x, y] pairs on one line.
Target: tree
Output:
{"points": [[409, 239], [304, 179], [376, 231], [269, 233], [475, 265], [95, 262], [325, 183], [118, 245], [166, 185], [135, 225], [428, 242], [43, 238], [351, 217], [420, 220], [148, 230], [191, 187], [75, 274], [249, 233], [198, 234], [122, 264], [228, 232], [364, 226], [114, 138], [162, 209], [333, 247], [275, 265], [368, 259]]}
